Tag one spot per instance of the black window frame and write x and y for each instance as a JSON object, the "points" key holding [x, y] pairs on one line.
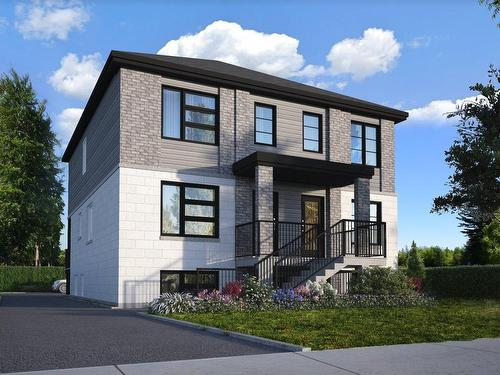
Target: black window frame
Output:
{"points": [[320, 132], [184, 107], [182, 207], [363, 143], [190, 272], [273, 108]]}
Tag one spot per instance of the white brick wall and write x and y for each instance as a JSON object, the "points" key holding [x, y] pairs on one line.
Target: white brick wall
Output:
{"points": [[143, 252], [94, 265], [389, 215]]}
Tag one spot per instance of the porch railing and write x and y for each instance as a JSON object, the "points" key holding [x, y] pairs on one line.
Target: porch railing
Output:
{"points": [[263, 236], [313, 250]]}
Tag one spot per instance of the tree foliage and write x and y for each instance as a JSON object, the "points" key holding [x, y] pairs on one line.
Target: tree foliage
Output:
{"points": [[493, 6], [474, 156], [30, 187], [415, 262]]}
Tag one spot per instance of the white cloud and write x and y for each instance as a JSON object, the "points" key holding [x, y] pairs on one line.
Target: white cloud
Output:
{"points": [[275, 54], [66, 122], [77, 77], [341, 85], [377, 51], [311, 71], [50, 19], [419, 42], [436, 111]]}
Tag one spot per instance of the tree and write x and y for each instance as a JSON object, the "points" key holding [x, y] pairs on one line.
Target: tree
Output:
{"points": [[494, 6], [474, 193], [30, 187], [415, 262], [491, 240]]}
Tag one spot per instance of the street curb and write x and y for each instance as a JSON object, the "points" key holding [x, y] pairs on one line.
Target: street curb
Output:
{"points": [[236, 335]]}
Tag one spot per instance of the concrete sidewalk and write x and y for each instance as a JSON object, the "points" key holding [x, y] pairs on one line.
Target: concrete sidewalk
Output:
{"points": [[457, 357]]}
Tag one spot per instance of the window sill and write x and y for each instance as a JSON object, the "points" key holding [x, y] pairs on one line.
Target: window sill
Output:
{"points": [[189, 239]]}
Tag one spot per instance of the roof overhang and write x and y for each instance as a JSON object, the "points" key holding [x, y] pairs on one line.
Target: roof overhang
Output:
{"points": [[309, 171]]}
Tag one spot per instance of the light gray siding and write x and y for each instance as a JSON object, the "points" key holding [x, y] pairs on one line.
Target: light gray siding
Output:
{"points": [[288, 127], [102, 136]]}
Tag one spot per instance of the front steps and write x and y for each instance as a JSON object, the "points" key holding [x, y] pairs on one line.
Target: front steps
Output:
{"points": [[326, 268]]}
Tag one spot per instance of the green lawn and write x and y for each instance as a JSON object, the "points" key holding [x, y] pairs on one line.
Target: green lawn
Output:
{"points": [[352, 327]]}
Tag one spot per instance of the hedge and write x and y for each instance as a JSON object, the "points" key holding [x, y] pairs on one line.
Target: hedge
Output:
{"points": [[28, 279], [463, 281]]}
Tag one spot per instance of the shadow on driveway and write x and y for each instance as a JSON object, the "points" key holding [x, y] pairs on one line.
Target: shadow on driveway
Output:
{"points": [[41, 331]]}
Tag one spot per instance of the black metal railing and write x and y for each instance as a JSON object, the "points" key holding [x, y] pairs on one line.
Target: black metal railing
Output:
{"points": [[358, 238], [314, 249], [223, 277], [290, 258], [263, 236], [341, 281]]}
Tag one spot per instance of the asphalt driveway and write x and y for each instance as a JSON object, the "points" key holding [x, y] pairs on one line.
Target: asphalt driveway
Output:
{"points": [[51, 331]]}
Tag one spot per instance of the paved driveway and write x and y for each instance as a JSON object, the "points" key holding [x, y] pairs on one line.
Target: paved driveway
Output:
{"points": [[49, 331]]}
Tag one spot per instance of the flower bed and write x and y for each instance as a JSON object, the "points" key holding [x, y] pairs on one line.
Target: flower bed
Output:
{"points": [[252, 295]]}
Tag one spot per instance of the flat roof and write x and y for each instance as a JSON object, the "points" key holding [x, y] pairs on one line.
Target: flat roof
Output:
{"points": [[217, 73]]}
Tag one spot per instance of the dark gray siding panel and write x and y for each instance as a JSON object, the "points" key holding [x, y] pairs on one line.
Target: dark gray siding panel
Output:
{"points": [[103, 135]]}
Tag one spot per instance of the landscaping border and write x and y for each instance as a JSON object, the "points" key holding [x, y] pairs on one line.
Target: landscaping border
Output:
{"points": [[218, 331]]}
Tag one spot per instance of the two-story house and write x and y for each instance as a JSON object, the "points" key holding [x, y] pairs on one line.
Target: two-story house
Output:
{"points": [[186, 173]]}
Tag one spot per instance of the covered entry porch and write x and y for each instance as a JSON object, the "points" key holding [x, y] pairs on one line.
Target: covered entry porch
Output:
{"points": [[289, 217]]}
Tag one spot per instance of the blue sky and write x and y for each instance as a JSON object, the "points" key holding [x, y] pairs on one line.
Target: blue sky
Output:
{"points": [[421, 56]]}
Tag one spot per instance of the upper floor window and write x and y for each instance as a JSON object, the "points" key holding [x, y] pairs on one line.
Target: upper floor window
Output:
{"points": [[364, 144], [189, 210], [311, 124], [189, 116], [265, 124], [84, 155], [90, 223]]}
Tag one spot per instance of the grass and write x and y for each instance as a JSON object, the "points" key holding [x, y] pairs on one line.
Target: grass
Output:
{"points": [[354, 327]]}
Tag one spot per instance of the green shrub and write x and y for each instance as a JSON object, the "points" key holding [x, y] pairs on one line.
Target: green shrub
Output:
{"points": [[380, 281], [415, 263], [463, 281], [28, 279], [255, 292]]}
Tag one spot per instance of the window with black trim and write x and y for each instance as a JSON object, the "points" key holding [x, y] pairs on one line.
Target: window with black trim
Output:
{"points": [[188, 281], [189, 210], [189, 116], [265, 124], [311, 131], [364, 144]]}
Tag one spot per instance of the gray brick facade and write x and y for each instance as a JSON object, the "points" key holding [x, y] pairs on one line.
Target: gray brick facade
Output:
{"points": [[226, 130], [362, 199], [264, 206], [388, 156]]}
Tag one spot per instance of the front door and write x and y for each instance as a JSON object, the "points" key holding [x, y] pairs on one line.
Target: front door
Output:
{"points": [[313, 223]]}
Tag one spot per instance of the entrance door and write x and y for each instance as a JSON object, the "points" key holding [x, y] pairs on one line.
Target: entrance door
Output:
{"points": [[313, 223]]}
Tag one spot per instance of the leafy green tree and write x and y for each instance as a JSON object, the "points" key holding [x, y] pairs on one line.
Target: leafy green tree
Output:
{"points": [[415, 262], [474, 193], [30, 187], [403, 257], [491, 240]]}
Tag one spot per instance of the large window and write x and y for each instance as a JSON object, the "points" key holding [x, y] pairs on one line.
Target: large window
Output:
{"points": [[311, 125], [189, 116], [364, 144], [265, 124], [188, 281], [189, 210]]}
